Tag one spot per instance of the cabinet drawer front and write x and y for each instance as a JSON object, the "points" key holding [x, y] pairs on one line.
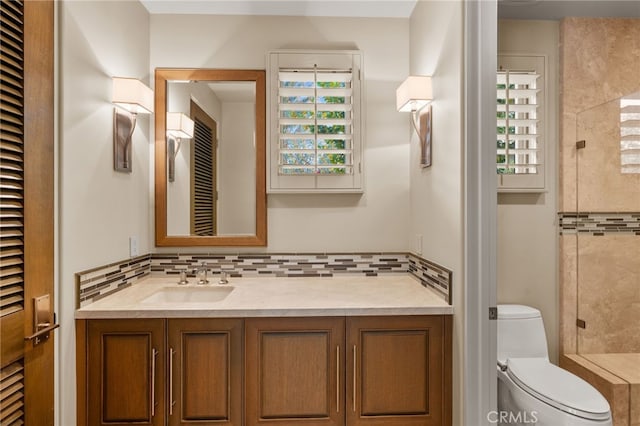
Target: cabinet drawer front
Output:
{"points": [[395, 370], [293, 371], [206, 370], [125, 379]]}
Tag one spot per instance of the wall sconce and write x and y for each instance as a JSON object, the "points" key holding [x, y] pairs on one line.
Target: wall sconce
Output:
{"points": [[415, 95], [179, 127], [131, 97]]}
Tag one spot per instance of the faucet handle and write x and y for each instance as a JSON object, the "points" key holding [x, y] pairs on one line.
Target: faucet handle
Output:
{"points": [[223, 278], [183, 277]]}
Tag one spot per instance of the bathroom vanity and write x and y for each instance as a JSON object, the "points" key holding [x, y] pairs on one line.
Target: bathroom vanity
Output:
{"points": [[278, 351]]}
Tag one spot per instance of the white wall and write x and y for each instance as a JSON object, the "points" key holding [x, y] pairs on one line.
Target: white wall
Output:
{"points": [[99, 208], [179, 97], [527, 228], [436, 197], [236, 168], [377, 220]]}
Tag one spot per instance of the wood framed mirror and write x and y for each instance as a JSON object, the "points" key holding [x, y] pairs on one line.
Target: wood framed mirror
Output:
{"points": [[217, 192]]}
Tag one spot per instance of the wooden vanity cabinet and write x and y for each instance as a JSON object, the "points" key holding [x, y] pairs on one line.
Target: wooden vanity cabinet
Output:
{"points": [[205, 364], [124, 372], [398, 371], [294, 371], [353, 371], [156, 372], [358, 371]]}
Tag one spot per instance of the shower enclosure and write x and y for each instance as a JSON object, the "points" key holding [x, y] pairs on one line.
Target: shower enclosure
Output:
{"points": [[607, 233]]}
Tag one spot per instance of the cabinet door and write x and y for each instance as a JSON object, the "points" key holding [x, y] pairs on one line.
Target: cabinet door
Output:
{"points": [[125, 366], [205, 372], [395, 371], [294, 372]]}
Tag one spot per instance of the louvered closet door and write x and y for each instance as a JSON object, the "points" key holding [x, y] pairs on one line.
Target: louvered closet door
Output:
{"points": [[26, 208], [204, 194]]}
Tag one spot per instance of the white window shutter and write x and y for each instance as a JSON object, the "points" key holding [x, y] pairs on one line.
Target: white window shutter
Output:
{"points": [[520, 158], [314, 111]]}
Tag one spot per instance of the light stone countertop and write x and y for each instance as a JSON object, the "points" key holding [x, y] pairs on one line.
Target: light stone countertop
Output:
{"points": [[274, 297]]}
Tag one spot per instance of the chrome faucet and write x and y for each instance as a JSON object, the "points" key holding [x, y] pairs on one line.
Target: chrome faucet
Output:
{"points": [[201, 274], [183, 277], [223, 278]]}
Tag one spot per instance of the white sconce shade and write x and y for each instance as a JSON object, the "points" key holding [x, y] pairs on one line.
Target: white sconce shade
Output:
{"points": [[179, 125], [133, 95], [414, 93]]}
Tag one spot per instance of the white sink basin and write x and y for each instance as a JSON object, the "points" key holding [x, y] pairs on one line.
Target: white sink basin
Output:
{"points": [[188, 295]]}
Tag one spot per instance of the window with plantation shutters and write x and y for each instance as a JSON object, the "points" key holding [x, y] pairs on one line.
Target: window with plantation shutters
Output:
{"points": [[314, 118], [520, 105]]}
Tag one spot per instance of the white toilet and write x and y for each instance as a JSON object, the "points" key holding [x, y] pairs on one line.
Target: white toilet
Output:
{"points": [[531, 390]]}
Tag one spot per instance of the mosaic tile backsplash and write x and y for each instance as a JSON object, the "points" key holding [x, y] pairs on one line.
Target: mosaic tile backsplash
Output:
{"points": [[598, 224], [432, 275], [283, 265], [96, 283], [99, 282]]}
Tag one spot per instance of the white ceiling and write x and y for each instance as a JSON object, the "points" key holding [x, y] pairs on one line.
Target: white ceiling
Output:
{"points": [[334, 8], [558, 9], [510, 9]]}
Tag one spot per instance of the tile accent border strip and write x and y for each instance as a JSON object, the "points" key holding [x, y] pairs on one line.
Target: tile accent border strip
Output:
{"points": [[432, 275], [283, 264], [599, 223], [96, 283]]}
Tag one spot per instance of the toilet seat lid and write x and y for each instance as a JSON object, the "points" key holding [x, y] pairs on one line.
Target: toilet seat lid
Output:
{"points": [[558, 387]]}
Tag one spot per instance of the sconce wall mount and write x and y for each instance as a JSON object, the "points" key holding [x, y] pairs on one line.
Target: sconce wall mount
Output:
{"points": [[179, 127], [130, 97], [415, 95]]}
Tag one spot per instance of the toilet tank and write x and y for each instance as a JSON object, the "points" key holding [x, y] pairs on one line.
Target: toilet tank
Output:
{"points": [[520, 333]]}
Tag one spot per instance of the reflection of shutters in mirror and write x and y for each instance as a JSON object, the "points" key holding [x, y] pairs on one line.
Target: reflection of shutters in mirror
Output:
{"points": [[26, 208], [204, 192]]}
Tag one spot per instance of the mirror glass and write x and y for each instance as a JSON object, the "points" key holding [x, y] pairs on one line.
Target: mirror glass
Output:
{"points": [[211, 189]]}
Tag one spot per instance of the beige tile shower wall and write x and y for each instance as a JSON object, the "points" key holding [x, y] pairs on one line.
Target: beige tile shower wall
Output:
{"points": [[598, 57], [634, 402], [609, 293], [601, 185], [568, 294]]}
